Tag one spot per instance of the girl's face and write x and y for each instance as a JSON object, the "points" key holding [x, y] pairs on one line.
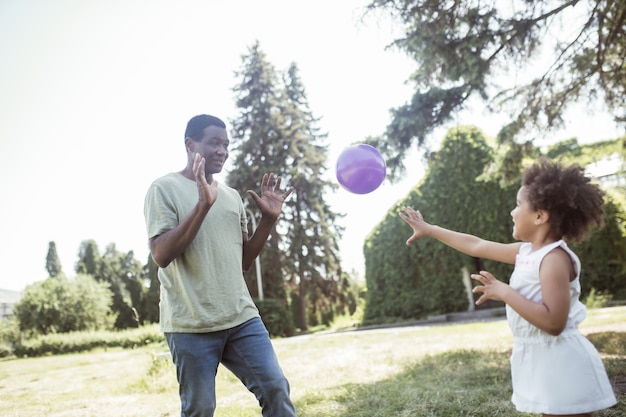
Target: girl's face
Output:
{"points": [[524, 217]]}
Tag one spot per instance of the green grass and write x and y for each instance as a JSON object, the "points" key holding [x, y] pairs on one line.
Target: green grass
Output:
{"points": [[448, 370]]}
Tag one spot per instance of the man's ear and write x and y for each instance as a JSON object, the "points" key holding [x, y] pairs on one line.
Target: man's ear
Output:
{"points": [[189, 145], [542, 216]]}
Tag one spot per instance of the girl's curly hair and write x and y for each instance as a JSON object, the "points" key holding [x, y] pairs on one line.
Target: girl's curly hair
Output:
{"points": [[575, 204]]}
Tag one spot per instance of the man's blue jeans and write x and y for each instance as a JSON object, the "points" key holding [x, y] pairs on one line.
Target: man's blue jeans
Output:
{"points": [[246, 350]]}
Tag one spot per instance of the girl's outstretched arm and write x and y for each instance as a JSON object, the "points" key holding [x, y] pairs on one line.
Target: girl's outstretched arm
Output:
{"points": [[469, 244]]}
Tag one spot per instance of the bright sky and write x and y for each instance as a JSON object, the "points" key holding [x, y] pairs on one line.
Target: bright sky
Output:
{"points": [[95, 96]]}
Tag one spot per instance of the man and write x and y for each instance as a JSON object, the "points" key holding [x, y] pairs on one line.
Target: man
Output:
{"points": [[197, 230]]}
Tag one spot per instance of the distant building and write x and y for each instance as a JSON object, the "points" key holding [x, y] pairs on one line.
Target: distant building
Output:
{"points": [[8, 299], [610, 171]]}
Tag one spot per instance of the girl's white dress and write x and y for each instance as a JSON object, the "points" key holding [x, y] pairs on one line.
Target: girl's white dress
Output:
{"points": [[554, 374]]}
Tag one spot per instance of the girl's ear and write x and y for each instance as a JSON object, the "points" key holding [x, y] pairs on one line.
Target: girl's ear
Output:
{"points": [[542, 216]]}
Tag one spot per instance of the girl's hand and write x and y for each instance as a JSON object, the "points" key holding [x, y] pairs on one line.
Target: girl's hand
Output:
{"points": [[414, 219], [491, 288]]}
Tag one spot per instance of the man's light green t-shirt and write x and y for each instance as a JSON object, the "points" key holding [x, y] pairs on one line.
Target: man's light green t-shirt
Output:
{"points": [[203, 290]]}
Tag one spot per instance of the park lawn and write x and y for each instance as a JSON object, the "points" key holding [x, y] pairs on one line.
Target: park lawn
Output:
{"points": [[446, 370]]}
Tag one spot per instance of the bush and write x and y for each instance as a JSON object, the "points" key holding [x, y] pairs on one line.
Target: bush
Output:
{"points": [[276, 317], [9, 336], [63, 343], [597, 299]]}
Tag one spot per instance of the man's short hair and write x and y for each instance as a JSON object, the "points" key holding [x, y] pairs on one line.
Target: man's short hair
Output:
{"points": [[197, 124]]}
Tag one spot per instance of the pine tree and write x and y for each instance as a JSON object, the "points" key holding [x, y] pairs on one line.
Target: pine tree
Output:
{"points": [[53, 263], [313, 258], [258, 146], [88, 258], [276, 132], [149, 312]]}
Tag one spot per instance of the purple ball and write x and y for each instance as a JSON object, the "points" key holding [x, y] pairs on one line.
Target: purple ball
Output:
{"points": [[360, 169]]}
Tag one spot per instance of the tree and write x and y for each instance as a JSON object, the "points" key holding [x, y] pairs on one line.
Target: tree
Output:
{"points": [[132, 279], [88, 258], [603, 255], [313, 252], [259, 147], [428, 277], [149, 312], [123, 274], [408, 283], [464, 49], [88, 305], [276, 132], [60, 305], [53, 263]]}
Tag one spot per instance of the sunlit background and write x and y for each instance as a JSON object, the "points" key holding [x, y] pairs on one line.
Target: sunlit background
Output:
{"points": [[95, 95]]}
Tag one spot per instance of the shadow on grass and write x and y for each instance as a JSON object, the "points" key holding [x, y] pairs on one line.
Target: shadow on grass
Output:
{"points": [[613, 344], [473, 383]]}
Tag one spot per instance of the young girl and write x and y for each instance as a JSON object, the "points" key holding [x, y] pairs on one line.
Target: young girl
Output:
{"points": [[555, 369]]}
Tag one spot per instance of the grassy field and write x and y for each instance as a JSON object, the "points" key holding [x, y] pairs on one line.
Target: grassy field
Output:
{"points": [[448, 370]]}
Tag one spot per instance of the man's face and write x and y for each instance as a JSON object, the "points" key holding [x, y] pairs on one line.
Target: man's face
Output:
{"points": [[213, 147]]}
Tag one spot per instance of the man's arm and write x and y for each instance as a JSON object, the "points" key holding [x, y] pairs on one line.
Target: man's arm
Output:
{"points": [[270, 202], [169, 245]]}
